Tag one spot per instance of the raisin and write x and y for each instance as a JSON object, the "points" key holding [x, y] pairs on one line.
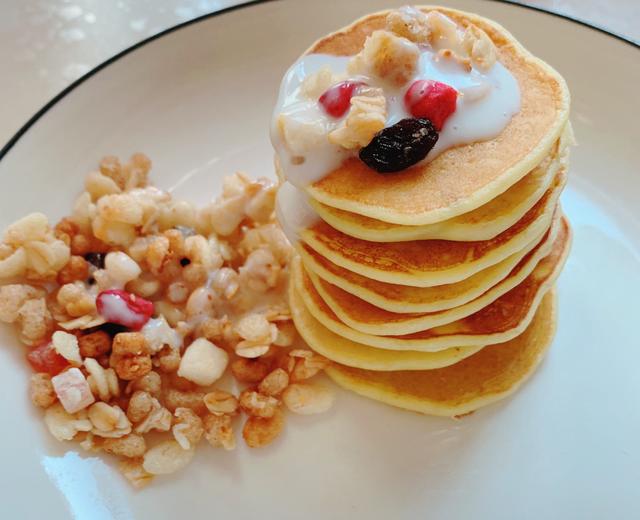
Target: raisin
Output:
{"points": [[400, 146], [96, 259]]}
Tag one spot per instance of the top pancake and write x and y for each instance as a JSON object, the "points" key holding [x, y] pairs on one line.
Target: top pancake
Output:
{"points": [[461, 178], [483, 223]]}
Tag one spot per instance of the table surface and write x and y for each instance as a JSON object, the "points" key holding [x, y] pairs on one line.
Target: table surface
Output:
{"points": [[47, 44]]}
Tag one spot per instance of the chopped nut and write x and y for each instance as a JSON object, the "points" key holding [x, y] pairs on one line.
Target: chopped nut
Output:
{"points": [[13, 297], [166, 457], [76, 300], [249, 370], [63, 425], [254, 403], [212, 329], [225, 282], [174, 399], [254, 327], [307, 364], [187, 429], [99, 185], [388, 57], [140, 406], [219, 432], [261, 270], [443, 33], [41, 390], [219, 402], [314, 85], [168, 359], [134, 472], [150, 382], [274, 383], [34, 321], [479, 47], [286, 335], [368, 115], [410, 23], [251, 350], [260, 431], [299, 134], [77, 269], [66, 345], [108, 421], [103, 382], [110, 167], [177, 292], [130, 446], [307, 399], [159, 419]]}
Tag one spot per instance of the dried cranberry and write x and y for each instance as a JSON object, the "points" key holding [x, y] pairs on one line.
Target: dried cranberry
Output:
{"points": [[337, 99], [123, 308], [431, 100], [45, 359], [400, 146]]}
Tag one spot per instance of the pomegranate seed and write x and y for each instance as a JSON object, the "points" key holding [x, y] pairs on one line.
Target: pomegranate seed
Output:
{"points": [[123, 308], [45, 359], [337, 99], [431, 100]]}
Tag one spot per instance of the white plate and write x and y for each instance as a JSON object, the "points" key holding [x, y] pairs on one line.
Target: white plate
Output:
{"points": [[198, 101]]}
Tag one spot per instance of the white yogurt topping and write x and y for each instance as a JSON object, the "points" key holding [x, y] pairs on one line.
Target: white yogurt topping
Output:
{"points": [[293, 211], [486, 103]]}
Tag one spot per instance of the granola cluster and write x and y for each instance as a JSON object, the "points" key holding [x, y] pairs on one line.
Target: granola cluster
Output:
{"points": [[471, 46], [134, 308]]}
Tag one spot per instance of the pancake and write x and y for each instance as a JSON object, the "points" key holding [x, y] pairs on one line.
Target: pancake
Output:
{"points": [[367, 318], [483, 223], [500, 321], [347, 352], [484, 378], [402, 298], [465, 177], [425, 263]]}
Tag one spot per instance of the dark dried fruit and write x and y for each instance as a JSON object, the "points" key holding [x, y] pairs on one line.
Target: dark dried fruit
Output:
{"points": [[400, 146], [96, 259]]}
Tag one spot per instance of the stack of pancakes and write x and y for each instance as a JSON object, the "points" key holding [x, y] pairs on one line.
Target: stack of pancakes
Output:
{"points": [[432, 289]]}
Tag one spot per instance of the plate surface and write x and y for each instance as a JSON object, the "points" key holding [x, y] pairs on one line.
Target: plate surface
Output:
{"points": [[198, 102]]}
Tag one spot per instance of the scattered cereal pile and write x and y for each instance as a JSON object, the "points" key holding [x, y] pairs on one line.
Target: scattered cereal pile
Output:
{"points": [[135, 305]]}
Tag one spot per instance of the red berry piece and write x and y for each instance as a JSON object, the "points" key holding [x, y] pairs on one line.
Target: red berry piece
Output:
{"points": [[124, 308], [431, 100], [45, 359], [337, 99]]}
